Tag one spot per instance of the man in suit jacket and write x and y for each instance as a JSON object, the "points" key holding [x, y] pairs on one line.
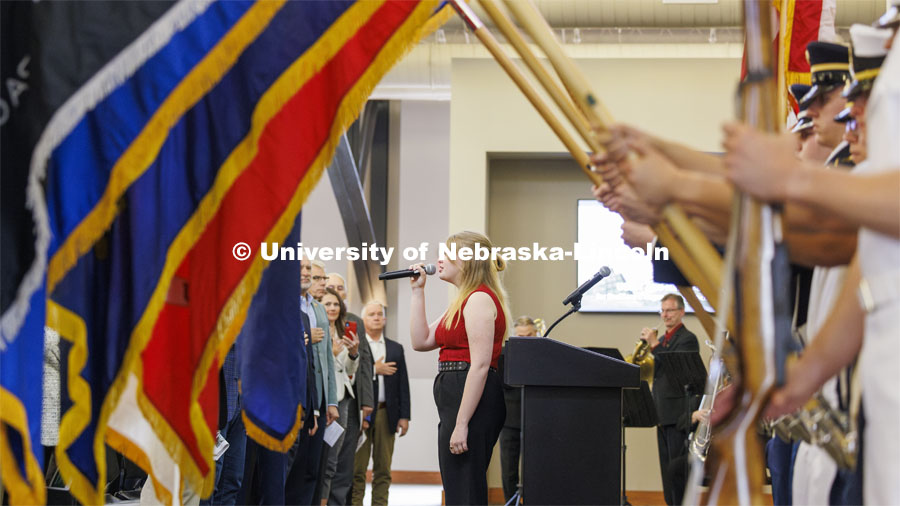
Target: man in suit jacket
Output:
{"points": [[673, 407], [303, 474], [392, 411]]}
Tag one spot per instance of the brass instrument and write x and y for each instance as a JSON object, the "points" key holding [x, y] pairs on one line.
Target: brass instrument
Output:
{"points": [[700, 438], [541, 326], [820, 424], [641, 357]]}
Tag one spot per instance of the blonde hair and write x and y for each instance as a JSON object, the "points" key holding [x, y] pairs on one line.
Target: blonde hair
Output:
{"points": [[524, 321], [474, 273]]}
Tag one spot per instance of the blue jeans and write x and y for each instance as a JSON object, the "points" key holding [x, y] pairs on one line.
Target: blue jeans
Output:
{"points": [[780, 460], [230, 467]]}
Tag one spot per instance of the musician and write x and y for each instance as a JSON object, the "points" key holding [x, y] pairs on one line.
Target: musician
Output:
{"points": [[468, 391], [674, 408]]}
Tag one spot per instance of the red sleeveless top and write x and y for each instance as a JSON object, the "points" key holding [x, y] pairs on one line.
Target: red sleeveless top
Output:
{"points": [[454, 343]]}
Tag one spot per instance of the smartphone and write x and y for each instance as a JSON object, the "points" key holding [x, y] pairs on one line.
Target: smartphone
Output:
{"points": [[349, 327]]}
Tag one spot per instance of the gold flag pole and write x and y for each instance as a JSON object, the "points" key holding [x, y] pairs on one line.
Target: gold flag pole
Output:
{"points": [[508, 29], [518, 77], [680, 254], [707, 258]]}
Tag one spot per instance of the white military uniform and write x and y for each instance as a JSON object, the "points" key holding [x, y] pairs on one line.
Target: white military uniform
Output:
{"points": [[814, 469], [879, 260]]}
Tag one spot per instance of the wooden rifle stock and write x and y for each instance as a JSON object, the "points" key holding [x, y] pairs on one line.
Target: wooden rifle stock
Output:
{"points": [[736, 461]]}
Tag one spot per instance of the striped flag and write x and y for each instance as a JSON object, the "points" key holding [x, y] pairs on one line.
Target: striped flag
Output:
{"points": [[198, 125], [41, 71], [801, 22]]}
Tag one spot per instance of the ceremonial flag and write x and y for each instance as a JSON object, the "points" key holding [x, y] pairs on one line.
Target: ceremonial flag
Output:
{"points": [[801, 22], [43, 65], [199, 125], [21, 366], [273, 385]]}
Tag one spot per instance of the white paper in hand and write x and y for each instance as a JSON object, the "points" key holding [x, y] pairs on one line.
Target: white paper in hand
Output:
{"points": [[361, 440], [332, 433]]}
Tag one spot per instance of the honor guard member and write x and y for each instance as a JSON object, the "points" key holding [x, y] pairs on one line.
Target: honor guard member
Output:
{"points": [[878, 288], [804, 122], [867, 55], [829, 66]]}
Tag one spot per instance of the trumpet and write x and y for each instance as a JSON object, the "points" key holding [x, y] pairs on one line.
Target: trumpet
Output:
{"points": [[641, 357]]}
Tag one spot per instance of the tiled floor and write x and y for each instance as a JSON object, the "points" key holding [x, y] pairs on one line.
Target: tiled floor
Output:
{"points": [[400, 495], [408, 495]]}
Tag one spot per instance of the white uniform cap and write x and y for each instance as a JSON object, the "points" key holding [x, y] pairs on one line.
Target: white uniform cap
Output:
{"points": [[868, 41]]}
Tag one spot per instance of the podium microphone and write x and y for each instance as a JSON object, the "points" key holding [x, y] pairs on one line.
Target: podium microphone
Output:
{"points": [[587, 285], [407, 273], [574, 298]]}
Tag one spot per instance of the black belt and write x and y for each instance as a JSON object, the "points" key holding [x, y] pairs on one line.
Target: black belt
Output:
{"points": [[453, 366], [456, 366]]}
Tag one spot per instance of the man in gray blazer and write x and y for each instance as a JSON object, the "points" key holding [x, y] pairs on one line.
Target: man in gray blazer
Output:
{"points": [[364, 399]]}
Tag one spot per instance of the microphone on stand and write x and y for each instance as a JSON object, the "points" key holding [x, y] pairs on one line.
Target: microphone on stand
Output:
{"points": [[407, 273], [587, 285], [574, 298]]}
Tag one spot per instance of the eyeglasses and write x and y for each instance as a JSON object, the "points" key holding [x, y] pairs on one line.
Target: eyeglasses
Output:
{"points": [[667, 311], [319, 278]]}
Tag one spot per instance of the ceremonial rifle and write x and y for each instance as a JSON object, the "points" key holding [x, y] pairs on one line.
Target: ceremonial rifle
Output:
{"points": [[758, 277]]}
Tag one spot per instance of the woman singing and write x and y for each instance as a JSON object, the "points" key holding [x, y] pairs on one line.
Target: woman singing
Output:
{"points": [[468, 391]]}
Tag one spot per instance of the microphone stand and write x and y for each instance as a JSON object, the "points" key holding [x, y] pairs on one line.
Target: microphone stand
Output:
{"points": [[576, 305]]}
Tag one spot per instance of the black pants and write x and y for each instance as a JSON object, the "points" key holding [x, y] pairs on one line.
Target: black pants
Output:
{"points": [[465, 476], [510, 449], [304, 464], [672, 450], [264, 472]]}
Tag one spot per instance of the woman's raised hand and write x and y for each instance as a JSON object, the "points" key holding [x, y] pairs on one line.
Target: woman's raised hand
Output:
{"points": [[418, 281], [351, 343]]}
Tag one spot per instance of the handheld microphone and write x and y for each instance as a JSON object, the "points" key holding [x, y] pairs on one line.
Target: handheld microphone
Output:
{"points": [[407, 273], [587, 285]]}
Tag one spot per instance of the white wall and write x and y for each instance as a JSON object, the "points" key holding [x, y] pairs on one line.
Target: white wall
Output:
{"points": [[683, 99], [420, 175]]}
